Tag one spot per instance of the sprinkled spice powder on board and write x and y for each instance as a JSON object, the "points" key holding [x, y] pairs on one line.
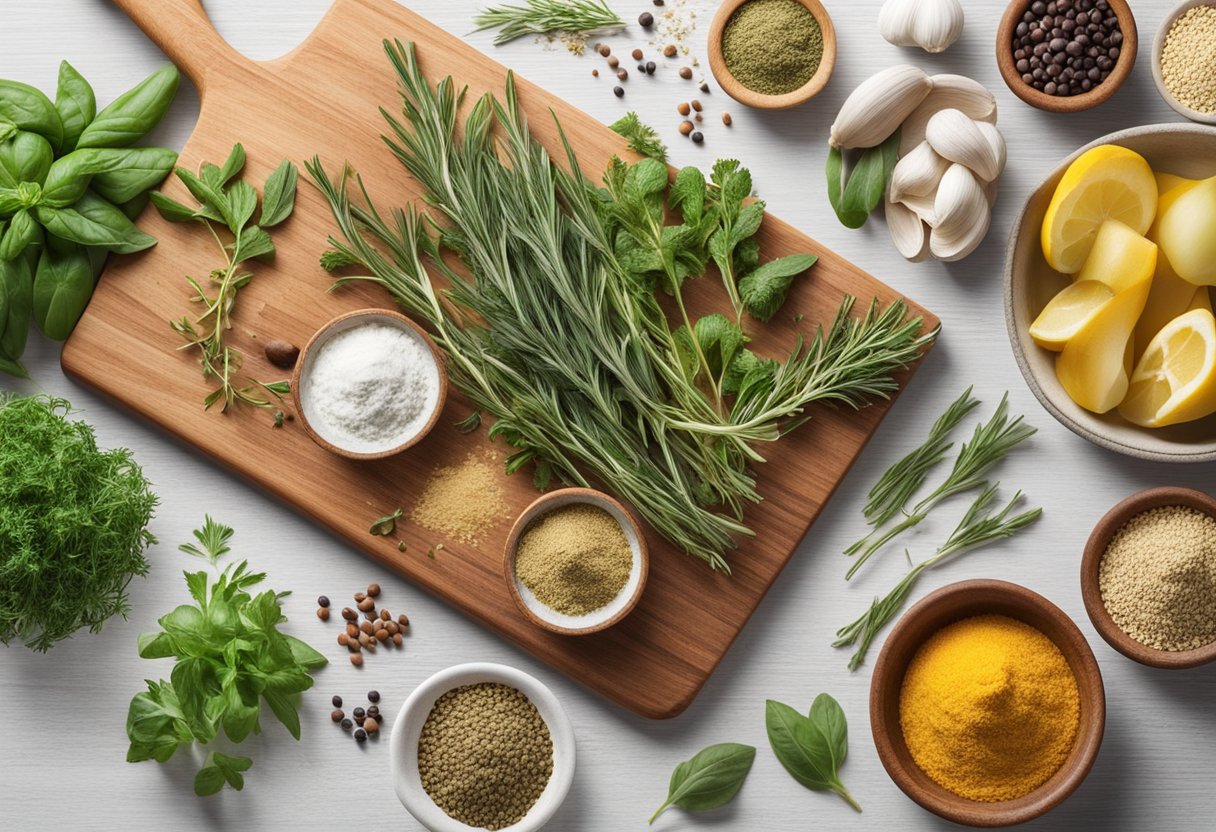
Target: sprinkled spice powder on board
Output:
{"points": [[772, 46], [485, 755], [989, 708], [1158, 578], [1188, 59], [463, 501], [575, 559]]}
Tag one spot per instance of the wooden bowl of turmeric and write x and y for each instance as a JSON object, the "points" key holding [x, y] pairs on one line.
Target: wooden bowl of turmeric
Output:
{"points": [[987, 705]]}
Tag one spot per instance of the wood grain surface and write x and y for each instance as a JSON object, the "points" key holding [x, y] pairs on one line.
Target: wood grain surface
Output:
{"points": [[323, 98]]}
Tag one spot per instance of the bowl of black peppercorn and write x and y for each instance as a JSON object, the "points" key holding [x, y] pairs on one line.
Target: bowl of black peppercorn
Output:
{"points": [[1064, 56]]}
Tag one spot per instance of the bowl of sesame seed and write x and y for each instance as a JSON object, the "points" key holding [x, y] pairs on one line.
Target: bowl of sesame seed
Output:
{"points": [[1184, 60]]}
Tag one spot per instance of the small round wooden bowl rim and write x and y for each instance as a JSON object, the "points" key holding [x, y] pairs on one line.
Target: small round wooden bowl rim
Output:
{"points": [[938, 609], [1091, 563], [320, 334], [1073, 103], [536, 510], [751, 98], [1159, 44]]}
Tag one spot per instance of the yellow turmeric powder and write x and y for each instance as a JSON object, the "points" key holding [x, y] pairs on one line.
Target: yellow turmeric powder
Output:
{"points": [[989, 708]]}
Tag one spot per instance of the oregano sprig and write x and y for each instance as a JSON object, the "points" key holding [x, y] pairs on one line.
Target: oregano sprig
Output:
{"points": [[226, 208]]}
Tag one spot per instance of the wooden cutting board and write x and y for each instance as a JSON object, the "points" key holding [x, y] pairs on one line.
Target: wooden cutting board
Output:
{"points": [[324, 98]]}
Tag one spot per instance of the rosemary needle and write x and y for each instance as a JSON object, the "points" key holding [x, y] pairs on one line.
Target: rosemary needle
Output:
{"points": [[977, 528], [990, 443], [540, 17]]}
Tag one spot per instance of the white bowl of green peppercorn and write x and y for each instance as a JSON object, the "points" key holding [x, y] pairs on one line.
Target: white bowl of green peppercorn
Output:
{"points": [[411, 752]]}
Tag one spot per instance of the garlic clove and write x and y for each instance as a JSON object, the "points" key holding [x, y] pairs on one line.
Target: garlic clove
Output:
{"points": [[877, 107], [997, 142], [949, 92], [895, 21], [918, 172], [959, 202], [922, 206], [948, 248], [956, 137], [908, 232], [938, 24]]}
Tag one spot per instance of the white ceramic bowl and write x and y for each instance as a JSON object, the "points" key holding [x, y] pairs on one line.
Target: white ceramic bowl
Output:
{"points": [[620, 606], [1159, 44], [1184, 149], [403, 744]]}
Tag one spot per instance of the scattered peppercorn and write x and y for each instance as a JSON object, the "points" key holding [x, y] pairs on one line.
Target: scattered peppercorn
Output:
{"points": [[1066, 47], [682, 108], [347, 725], [696, 105], [337, 700], [651, 66], [323, 613], [281, 354], [336, 715], [322, 601], [595, 73], [360, 735], [637, 54], [371, 726], [669, 51], [622, 74], [356, 659], [685, 73], [619, 92], [726, 119], [697, 137], [686, 127], [614, 61], [397, 639], [658, 2], [645, 20], [403, 620], [704, 87], [603, 50]]}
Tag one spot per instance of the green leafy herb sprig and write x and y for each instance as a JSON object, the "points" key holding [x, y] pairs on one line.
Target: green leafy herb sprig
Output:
{"points": [[73, 523], [226, 209], [812, 748], [978, 527], [71, 182], [710, 779], [855, 195], [230, 658], [640, 137], [542, 17]]}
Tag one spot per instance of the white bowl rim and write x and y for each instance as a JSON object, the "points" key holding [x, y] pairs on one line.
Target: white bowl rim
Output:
{"points": [[1015, 335], [403, 744], [1159, 45]]}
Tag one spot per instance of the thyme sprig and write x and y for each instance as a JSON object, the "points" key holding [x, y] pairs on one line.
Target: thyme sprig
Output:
{"points": [[977, 528], [541, 17]]}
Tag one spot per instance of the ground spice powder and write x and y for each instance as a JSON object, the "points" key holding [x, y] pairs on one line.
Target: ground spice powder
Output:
{"points": [[1158, 578], [989, 708], [1188, 59], [772, 46], [463, 501], [575, 559], [485, 755]]}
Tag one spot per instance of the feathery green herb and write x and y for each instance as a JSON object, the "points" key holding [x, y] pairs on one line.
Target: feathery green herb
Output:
{"points": [[231, 658], [991, 442], [226, 206], [977, 528], [73, 524], [640, 137], [577, 363], [541, 17]]}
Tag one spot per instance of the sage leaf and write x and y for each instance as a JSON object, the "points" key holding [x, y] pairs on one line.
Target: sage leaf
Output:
{"points": [[279, 194], [764, 290], [76, 104], [710, 779], [810, 748], [133, 114]]}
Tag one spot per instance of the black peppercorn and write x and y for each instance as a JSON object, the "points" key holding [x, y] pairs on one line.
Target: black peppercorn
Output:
{"points": [[322, 601], [645, 20], [619, 92], [337, 700], [347, 725], [697, 137], [360, 735], [359, 712], [373, 696], [650, 67]]}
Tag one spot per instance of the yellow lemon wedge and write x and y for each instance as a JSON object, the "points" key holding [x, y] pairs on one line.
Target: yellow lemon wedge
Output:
{"points": [[1093, 367], [1169, 295], [1175, 380], [1169, 181], [1120, 257], [1107, 182], [1073, 308], [1186, 232]]}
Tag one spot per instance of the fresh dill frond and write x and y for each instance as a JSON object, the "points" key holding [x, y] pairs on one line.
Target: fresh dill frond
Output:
{"points": [[213, 538], [640, 137], [541, 17]]}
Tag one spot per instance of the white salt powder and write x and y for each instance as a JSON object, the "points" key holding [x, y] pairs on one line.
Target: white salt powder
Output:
{"points": [[371, 388]]}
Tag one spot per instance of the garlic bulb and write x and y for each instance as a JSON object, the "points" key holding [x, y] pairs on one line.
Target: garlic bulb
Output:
{"points": [[930, 24], [917, 173], [879, 104], [958, 138], [908, 231]]}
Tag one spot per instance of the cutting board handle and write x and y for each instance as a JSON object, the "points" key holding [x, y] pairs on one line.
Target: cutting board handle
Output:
{"points": [[183, 31]]}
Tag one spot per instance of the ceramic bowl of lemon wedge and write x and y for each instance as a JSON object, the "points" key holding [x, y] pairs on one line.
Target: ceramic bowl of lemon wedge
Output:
{"points": [[1109, 278]]}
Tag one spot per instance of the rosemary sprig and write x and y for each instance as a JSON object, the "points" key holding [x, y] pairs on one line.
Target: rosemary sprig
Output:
{"points": [[540, 17], [977, 528], [990, 443], [890, 495]]}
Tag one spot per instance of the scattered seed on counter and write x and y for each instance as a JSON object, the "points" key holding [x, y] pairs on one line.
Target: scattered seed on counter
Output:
{"points": [[403, 620], [360, 735], [704, 87], [685, 73], [281, 354], [658, 2], [726, 119], [622, 74], [356, 659], [371, 726], [696, 105], [347, 724], [373, 696], [352, 630], [651, 66], [686, 127], [337, 701], [373, 590], [603, 50], [696, 137], [637, 54], [614, 61], [669, 51], [337, 715], [322, 601], [683, 108], [645, 20], [323, 613], [619, 92], [699, 118]]}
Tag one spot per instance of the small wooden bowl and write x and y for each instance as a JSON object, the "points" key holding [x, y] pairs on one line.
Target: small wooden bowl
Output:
{"points": [[570, 625], [1091, 563], [751, 98], [1074, 103], [945, 606], [342, 323], [1159, 80]]}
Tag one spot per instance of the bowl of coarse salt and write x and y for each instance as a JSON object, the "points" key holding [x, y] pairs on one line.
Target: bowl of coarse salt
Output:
{"points": [[369, 384]]}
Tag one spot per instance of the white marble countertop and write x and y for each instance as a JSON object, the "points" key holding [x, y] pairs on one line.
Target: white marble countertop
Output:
{"points": [[62, 714]]}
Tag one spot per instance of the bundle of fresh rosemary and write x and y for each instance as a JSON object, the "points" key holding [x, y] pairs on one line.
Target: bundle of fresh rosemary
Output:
{"points": [[553, 328]]}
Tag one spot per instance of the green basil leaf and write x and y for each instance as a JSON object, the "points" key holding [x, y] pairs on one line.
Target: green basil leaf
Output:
{"points": [[7, 129], [76, 104], [63, 286], [93, 221], [305, 656], [232, 768], [209, 779], [10, 203], [810, 755], [171, 209], [827, 714], [133, 114], [764, 290], [132, 171], [132, 208], [17, 282], [29, 109], [284, 708], [255, 244], [234, 164], [710, 779], [279, 195], [240, 718], [22, 231], [156, 646], [26, 157]]}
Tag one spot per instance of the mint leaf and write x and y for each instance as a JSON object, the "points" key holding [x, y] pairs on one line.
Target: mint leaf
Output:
{"points": [[279, 195], [764, 290]]}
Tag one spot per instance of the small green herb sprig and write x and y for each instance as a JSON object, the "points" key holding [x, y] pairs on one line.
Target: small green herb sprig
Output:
{"points": [[226, 209], [231, 657], [640, 137], [812, 748], [855, 195], [710, 779], [542, 17]]}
